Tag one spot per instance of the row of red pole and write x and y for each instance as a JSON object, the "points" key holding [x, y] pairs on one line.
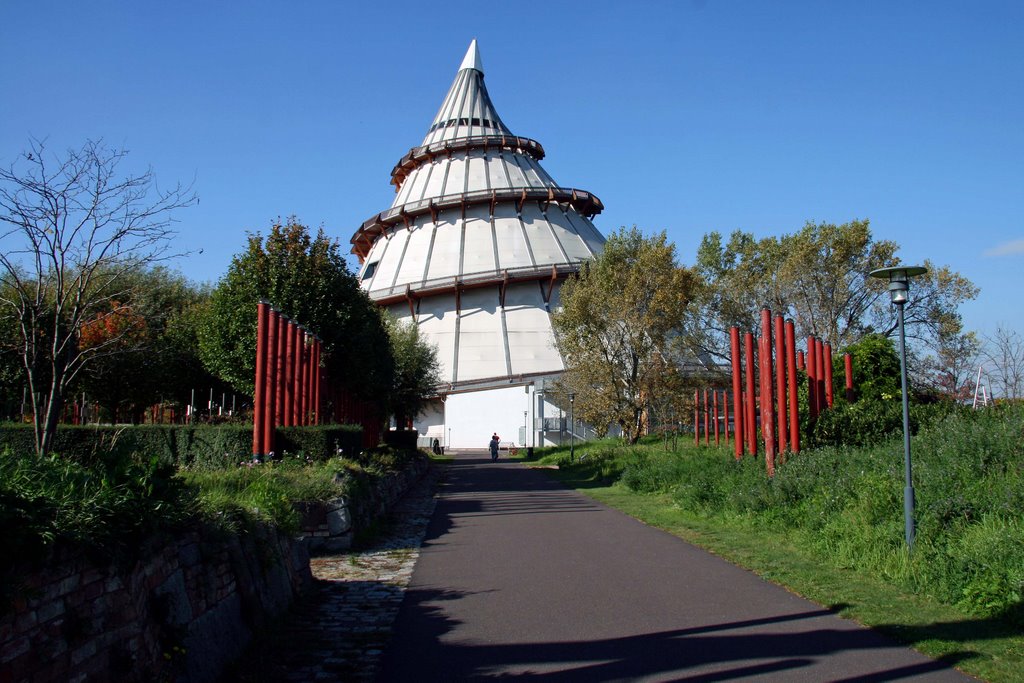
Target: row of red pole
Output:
{"points": [[775, 400], [288, 377], [712, 415]]}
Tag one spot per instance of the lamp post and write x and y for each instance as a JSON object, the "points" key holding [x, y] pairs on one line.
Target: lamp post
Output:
{"points": [[572, 428], [899, 287], [539, 423]]}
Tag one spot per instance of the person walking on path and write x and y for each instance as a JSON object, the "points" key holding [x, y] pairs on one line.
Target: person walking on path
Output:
{"points": [[494, 446]]}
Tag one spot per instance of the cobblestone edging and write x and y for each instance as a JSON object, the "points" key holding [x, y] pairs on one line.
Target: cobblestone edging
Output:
{"points": [[339, 630]]}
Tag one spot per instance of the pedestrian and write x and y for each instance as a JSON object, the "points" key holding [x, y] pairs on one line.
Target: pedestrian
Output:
{"points": [[494, 446]]}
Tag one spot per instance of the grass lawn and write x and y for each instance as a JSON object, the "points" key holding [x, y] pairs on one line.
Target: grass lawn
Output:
{"points": [[987, 648]]}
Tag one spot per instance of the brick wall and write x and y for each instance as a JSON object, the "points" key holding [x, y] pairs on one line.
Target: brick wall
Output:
{"points": [[183, 612]]}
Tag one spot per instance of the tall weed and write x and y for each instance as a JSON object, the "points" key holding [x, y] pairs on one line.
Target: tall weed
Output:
{"points": [[846, 503]]}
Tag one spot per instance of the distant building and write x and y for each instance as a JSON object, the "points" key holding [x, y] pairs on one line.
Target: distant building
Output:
{"points": [[474, 249]]}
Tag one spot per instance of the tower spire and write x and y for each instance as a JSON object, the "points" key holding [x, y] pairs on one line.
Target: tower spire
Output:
{"points": [[472, 58], [467, 110]]}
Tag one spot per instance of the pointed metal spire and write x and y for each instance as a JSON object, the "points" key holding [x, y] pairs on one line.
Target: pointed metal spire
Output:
{"points": [[467, 110], [472, 58]]}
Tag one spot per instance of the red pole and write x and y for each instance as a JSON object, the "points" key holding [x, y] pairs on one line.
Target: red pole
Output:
{"points": [[279, 372], [715, 394], [725, 409], [707, 420], [737, 390], [750, 419], [767, 407], [270, 379], [848, 363], [794, 403], [828, 374], [308, 415], [819, 358], [289, 370], [316, 380], [309, 379], [812, 382], [304, 384], [258, 415], [297, 375], [780, 385], [696, 417], [800, 364]]}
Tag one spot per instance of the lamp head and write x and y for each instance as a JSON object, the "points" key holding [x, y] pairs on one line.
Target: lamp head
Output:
{"points": [[899, 280]]}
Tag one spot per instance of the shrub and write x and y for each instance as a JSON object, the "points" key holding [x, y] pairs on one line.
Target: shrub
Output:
{"points": [[320, 442], [872, 420], [105, 507], [193, 446]]}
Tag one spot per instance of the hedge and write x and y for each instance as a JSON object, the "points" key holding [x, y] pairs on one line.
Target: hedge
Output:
{"points": [[320, 442], [202, 446]]}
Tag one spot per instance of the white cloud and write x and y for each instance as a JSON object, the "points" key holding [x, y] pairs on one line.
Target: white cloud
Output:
{"points": [[1006, 249]]}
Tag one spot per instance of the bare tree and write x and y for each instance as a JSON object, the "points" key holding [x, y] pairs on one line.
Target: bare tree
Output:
{"points": [[1004, 351], [74, 227]]}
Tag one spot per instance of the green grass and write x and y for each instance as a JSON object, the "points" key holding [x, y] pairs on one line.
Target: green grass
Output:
{"points": [[830, 527]]}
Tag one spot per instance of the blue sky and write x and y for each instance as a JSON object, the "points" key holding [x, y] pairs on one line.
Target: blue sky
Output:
{"points": [[683, 116]]}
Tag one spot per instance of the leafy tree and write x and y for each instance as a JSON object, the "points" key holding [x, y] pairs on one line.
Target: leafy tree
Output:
{"points": [[819, 277], [162, 361], [306, 278], [620, 329], [876, 368], [417, 370], [75, 226]]}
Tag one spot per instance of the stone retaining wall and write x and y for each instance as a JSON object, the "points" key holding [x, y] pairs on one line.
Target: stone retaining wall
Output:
{"points": [[185, 611], [182, 613], [331, 526]]}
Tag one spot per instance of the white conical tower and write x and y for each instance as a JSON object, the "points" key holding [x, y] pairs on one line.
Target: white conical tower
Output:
{"points": [[474, 249]]}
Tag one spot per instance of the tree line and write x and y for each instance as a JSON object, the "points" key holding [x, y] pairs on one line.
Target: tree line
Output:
{"points": [[639, 330], [89, 305]]}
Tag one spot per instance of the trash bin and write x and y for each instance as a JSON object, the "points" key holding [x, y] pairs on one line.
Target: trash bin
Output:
{"points": [[529, 452]]}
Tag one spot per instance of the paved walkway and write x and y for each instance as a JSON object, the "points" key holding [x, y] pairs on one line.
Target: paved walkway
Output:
{"points": [[521, 577], [339, 631]]}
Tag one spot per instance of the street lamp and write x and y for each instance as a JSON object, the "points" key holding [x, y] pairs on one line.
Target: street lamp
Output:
{"points": [[572, 428], [899, 287]]}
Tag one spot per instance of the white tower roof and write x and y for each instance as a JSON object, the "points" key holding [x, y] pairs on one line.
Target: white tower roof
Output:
{"points": [[478, 240]]}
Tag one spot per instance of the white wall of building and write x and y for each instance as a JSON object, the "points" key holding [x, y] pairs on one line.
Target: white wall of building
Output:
{"points": [[516, 413], [473, 416]]}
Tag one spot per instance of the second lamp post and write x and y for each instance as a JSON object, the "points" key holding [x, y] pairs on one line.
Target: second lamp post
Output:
{"points": [[899, 287]]}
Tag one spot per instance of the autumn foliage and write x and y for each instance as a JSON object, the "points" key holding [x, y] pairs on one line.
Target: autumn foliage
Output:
{"points": [[116, 329]]}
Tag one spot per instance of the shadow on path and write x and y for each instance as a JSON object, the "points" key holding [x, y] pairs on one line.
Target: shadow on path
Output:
{"points": [[520, 576], [715, 652]]}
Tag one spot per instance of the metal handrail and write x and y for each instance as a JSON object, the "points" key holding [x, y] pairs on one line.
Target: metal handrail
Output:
{"points": [[470, 280], [445, 147], [585, 202]]}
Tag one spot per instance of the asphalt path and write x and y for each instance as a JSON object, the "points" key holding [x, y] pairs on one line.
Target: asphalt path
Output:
{"points": [[521, 577]]}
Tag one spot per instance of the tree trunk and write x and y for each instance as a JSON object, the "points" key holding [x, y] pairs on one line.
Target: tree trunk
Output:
{"points": [[54, 404]]}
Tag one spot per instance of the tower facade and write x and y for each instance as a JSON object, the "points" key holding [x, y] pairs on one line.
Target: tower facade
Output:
{"points": [[473, 250]]}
